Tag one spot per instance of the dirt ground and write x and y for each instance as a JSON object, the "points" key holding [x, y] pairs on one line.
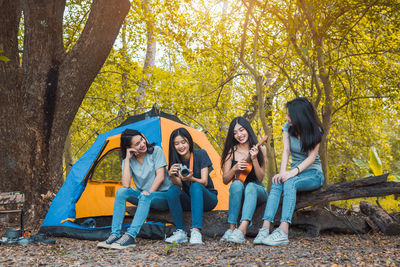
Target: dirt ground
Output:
{"points": [[328, 249]]}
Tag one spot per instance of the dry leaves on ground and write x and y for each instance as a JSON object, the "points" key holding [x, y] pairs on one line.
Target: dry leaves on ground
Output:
{"points": [[330, 250]]}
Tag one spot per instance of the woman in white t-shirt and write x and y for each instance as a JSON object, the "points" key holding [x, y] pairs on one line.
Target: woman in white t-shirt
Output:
{"points": [[145, 163]]}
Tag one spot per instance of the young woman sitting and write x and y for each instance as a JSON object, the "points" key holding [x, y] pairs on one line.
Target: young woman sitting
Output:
{"points": [[189, 172], [302, 134], [145, 163], [241, 143]]}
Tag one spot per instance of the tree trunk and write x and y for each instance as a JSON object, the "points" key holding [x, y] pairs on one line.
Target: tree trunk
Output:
{"points": [[150, 55], [40, 98], [67, 155], [124, 84]]}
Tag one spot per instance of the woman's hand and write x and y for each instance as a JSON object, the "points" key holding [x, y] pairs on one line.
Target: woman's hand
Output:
{"points": [[281, 177], [241, 165], [174, 170], [187, 177], [253, 152], [146, 193], [130, 152]]}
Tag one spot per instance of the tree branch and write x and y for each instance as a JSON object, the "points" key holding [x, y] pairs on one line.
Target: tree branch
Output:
{"points": [[85, 59], [356, 98]]}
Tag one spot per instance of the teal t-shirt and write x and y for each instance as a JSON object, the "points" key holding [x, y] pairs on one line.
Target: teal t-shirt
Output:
{"points": [[299, 156], [143, 175]]}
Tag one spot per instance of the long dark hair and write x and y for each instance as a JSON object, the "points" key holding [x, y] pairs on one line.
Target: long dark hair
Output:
{"points": [[305, 123], [126, 142], [173, 156], [231, 142]]}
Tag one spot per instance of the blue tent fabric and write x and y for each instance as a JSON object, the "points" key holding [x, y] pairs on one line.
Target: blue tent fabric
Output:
{"points": [[63, 204]]}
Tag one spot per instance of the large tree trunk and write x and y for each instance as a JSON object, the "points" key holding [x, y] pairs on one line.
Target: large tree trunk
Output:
{"points": [[39, 99]]}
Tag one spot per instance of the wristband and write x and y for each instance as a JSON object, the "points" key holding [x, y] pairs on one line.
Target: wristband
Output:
{"points": [[298, 170]]}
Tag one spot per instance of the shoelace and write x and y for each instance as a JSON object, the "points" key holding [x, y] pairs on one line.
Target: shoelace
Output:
{"points": [[111, 238], [264, 234], [123, 239], [275, 235]]}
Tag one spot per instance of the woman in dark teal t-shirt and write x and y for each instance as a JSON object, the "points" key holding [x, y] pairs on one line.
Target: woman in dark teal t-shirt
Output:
{"points": [[189, 172]]}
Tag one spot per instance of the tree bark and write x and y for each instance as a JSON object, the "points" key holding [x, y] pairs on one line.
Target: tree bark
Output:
{"points": [[67, 155], [386, 223], [39, 99]]}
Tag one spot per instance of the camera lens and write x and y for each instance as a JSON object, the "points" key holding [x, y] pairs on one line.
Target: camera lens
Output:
{"points": [[185, 172]]}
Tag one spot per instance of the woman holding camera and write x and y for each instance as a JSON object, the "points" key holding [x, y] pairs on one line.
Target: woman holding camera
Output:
{"points": [[189, 172], [145, 163], [241, 145]]}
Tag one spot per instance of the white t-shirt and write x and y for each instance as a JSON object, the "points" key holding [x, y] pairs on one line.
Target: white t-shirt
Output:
{"points": [[144, 174]]}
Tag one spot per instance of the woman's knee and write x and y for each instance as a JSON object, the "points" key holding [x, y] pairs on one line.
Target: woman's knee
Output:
{"points": [[289, 185], [173, 191], [122, 192], [276, 188], [251, 189], [237, 187], [196, 187]]}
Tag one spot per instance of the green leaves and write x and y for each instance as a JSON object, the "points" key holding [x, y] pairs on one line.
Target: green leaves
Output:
{"points": [[361, 164], [375, 162], [3, 58]]}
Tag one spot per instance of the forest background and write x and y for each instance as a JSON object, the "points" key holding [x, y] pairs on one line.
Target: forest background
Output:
{"points": [[209, 61]]}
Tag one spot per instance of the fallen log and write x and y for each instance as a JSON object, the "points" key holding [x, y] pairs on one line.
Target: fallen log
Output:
{"points": [[312, 221], [388, 224], [374, 186], [309, 222]]}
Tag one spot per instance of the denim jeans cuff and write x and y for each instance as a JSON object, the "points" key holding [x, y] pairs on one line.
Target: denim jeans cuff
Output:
{"points": [[232, 222], [271, 220], [131, 235], [286, 220]]}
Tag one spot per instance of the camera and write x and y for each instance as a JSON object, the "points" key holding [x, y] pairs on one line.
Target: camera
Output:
{"points": [[183, 170]]}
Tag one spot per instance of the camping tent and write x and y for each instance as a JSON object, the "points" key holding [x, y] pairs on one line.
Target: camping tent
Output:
{"points": [[84, 204]]}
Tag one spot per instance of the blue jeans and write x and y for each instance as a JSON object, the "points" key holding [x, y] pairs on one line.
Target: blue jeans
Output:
{"points": [[254, 194], [199, 200], [306, 181], [156, 200]]}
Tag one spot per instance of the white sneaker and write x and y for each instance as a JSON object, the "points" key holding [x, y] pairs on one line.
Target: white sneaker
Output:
{"points": [[226, 235], [278, 237], [236, 237], [179, 236], [263, 233], [195, 237]]}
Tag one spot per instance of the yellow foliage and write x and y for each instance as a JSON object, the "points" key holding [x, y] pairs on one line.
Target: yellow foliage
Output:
{"points": [[389, 203]]}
